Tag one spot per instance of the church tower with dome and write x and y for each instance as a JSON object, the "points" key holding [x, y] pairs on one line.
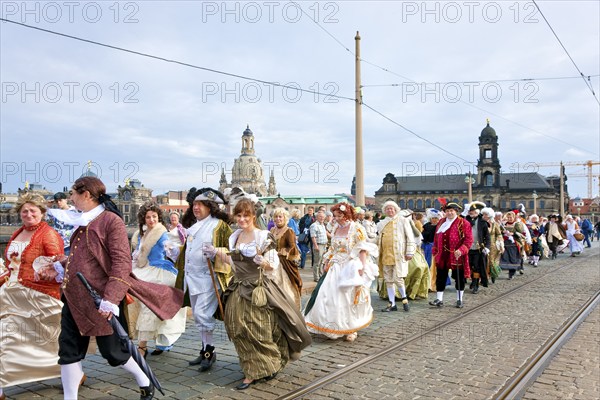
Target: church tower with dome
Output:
{"points": [[247, 171], [488, 165]]}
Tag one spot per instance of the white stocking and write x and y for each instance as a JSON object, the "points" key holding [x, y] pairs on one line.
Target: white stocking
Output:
{"points": [[391, 294], [402, 290], [207, 338], [439, 296], [138, 374], [70, 375]]}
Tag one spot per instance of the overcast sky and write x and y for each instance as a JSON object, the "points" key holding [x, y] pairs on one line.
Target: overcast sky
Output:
{"points": [[65, 102]]}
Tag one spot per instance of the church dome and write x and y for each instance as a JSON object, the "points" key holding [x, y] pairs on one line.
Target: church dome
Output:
{"points": [[248, 132], [88, 173], [488, 130]]}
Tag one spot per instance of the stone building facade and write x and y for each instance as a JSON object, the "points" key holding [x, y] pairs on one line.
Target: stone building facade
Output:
{"points": [[247, 171], [499, 190]]}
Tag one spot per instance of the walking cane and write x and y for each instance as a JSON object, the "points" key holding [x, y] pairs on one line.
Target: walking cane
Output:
{"points": [[212, 277]]}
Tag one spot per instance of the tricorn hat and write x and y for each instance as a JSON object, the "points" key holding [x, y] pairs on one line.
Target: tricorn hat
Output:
{"points": [[453, 205]]}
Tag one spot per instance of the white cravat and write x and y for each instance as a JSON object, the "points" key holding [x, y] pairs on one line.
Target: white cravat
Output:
{"points": [[447, 223], [76, 218]]}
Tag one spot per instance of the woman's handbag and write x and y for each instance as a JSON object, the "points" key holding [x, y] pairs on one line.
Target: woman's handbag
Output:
{"points": [[4, 273], [304, 237], [4, 276]]}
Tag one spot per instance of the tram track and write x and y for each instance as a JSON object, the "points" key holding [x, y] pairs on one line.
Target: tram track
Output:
{"points": [[381, 354], [517, 386]]}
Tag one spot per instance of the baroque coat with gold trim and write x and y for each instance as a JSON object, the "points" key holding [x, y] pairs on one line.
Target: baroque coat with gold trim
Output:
{"points": [[100, 251]]}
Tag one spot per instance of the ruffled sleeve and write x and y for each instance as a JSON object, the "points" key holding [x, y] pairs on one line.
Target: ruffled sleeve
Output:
{"points": [[268, 247], [360, 243]]}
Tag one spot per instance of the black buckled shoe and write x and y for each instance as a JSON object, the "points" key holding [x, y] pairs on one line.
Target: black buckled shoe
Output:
{"points": [[459, 304], [390, 307], [436, 303], [209, 358], [147, 392], [475, 289], [197, 360], [244, 385], [406, 306]]}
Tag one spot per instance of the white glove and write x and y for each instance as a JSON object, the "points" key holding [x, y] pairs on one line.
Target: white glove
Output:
{"points": [[258, 259], [209, 250], [107, 306], [486, 251]]}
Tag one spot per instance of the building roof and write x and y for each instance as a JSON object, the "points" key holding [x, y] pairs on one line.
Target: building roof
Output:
{"points": [[456, 182], [295, 199], [488, 131]]}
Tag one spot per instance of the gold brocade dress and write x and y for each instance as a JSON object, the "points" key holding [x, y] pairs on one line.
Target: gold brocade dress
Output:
{"points": [[29, 329]]}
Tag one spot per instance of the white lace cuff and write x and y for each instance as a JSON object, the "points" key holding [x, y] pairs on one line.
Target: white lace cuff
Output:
{"points": [[107, 306]]}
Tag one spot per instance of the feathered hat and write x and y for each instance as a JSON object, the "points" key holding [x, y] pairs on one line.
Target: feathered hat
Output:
{"points": [[432, 213]]}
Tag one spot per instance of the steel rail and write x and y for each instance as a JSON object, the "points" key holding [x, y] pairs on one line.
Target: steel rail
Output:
{"points": [[332, 377], [518, 384]]}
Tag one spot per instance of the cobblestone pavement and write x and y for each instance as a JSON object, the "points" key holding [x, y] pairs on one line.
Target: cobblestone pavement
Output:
{"points": [[574, 373], [473, 357]]}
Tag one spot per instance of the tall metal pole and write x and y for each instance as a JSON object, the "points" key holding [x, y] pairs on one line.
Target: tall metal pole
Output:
{"points": [[360, 182], [470, 188], [562, 191]]}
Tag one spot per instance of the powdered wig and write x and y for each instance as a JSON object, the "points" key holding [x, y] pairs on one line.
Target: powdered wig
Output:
{"points": [[534, 217], [33, 199], [245, 207], [488, 211], [282, 211], [390, 203]]}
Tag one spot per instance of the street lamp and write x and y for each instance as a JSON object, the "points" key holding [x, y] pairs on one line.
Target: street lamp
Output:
{"points": [[469, 181], [579, 212], [535, 196]]}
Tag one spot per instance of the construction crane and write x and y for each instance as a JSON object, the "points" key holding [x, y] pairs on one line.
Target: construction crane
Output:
{"points": [[589, 174]]}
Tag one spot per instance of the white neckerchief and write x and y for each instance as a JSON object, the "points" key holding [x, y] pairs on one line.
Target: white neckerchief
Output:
{"points": [[447, 223], [75, 218]]}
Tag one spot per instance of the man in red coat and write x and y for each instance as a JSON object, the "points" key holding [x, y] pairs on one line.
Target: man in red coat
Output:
{"points": [[451, 243]]}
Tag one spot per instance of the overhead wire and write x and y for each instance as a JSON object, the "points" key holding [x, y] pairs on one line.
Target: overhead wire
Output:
{"points": [[177, 62], [485, 81], [415, 134], [229, 74], [587, 83], [276, 83], [461, 101]]}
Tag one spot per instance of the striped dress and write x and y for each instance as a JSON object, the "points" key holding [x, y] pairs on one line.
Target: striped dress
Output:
{"points": [[267, 337]]}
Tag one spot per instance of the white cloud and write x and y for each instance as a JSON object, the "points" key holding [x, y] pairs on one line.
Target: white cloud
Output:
{"points": [[186, 121]]}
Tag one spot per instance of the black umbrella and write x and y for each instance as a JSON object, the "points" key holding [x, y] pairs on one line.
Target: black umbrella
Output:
{"points": [[123, 336]]}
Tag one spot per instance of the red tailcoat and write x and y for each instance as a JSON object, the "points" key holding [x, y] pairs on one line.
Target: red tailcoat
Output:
{"points": [[458, 237]]}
